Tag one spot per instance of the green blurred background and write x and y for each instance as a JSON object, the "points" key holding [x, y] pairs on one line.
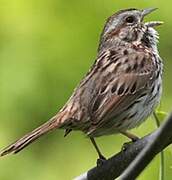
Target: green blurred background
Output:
{"points": [[46, 46]]}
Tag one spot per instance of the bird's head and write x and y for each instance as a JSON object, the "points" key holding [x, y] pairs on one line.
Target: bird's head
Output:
{"points": [[128, 26]]}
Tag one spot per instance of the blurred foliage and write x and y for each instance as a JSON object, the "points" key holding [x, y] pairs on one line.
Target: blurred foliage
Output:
{"points": [[46, 46]]}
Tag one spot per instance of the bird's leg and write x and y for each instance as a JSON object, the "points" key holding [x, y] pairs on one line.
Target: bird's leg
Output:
{"points": [[101, 159], [131, 136]]}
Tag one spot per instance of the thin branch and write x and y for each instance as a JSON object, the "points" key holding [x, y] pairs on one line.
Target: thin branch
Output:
{"points": [[147, 146], [162, 164], [157, 144], [162, 167]]}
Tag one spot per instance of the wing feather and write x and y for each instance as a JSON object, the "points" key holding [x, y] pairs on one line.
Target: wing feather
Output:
{"points": [[131, 76]]}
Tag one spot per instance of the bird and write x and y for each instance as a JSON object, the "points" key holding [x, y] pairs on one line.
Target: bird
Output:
{"points": [[121, 89]]}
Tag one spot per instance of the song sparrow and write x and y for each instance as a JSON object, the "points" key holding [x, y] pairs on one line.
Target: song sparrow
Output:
{"points": [[122, 87]]}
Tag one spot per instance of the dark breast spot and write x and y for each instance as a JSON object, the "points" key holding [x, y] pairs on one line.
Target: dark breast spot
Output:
{"points": [[133, 89], [118, 64], [158, 88], [103, 89], [114, 87], [126, 60], [142, 63], [126, 90], [97, 104], [128, 69], [135, 66], [125, 52], [152, 89], [157, 74], [112, 53], [121, 89]]}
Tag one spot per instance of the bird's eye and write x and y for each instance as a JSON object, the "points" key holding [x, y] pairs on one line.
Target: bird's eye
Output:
{"points": [[130, 19]]}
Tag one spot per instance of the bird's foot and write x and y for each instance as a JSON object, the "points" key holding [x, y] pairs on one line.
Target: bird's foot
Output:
{"points": [[131, 136], [135, 138], [101, 161], [126, 145]]}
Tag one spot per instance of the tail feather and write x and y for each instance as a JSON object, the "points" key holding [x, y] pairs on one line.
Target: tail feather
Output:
{"points": [[30, 137]]}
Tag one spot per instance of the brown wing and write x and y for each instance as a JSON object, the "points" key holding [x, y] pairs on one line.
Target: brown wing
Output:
{"points": [[128, 76]]}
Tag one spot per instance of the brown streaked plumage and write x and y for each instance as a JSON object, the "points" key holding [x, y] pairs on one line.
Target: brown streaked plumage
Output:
{"points": [[121, 89]]}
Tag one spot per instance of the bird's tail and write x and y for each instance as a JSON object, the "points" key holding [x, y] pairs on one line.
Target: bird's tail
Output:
{"points": [[32, 136]]}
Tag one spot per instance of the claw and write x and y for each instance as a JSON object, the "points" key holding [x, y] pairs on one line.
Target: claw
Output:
{"points": [[101, 161], [126, 145]]}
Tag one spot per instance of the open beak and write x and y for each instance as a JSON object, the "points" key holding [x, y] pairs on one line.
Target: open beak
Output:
{"points": [[147, 11], [153, 23]]}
